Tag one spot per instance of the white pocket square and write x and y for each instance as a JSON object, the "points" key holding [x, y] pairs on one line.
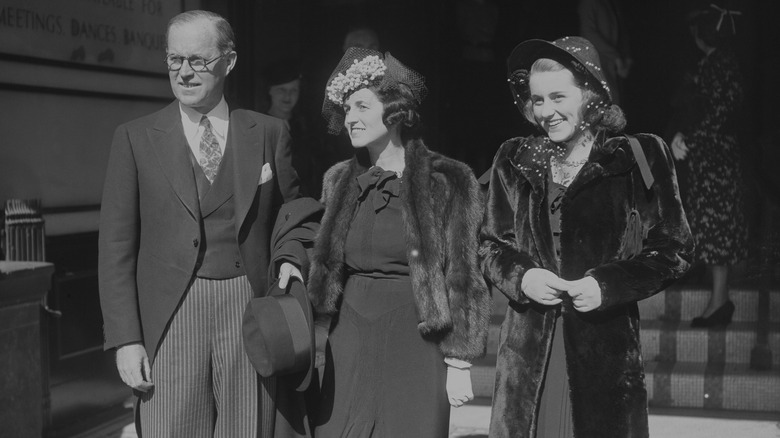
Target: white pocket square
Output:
{"points": [[266, 174]]}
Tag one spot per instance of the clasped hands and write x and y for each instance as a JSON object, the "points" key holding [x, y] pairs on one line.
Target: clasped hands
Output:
{"points": [[545, 288]]}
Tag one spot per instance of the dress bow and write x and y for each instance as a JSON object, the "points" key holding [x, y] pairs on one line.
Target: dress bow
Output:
{"points": [[386, 182]]}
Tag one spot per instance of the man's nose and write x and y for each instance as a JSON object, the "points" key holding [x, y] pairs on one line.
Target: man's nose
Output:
{"points": [[186, 70]]}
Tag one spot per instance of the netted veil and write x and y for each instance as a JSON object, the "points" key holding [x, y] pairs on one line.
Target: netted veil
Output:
{"points": [[357, 70]]}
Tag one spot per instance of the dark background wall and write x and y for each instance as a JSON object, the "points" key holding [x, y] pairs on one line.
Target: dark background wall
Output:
{"points": [[469, 111], [58, 117]]}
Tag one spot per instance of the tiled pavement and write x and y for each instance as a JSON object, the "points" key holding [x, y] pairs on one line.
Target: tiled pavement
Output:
{"points": [[472, 422]]}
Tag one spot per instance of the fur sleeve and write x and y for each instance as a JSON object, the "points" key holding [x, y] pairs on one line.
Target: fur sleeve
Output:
{"points": [[326, 267], [500, 259], [469, 299], [667, 251]]}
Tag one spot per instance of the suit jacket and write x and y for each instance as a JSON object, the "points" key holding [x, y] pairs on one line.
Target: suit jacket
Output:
{"points": [[150, 225]]}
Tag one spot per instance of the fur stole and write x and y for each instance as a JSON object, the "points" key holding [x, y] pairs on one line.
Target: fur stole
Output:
{"points": [[442, 209]]}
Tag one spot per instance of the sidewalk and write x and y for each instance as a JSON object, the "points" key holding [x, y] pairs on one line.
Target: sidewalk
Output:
{"points": [[473, 421]]}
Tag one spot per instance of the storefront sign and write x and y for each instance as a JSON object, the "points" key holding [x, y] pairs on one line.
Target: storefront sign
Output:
{"points": [[127, 34]]}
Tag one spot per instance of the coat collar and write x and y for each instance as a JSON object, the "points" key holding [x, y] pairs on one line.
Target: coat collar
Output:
{"points": [[610, 157]]}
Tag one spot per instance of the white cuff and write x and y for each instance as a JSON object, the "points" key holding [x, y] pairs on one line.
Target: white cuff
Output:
{"points": [[457, 363]]}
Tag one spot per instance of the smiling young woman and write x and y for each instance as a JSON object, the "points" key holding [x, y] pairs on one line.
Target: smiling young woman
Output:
{"points": [[562, 209]]}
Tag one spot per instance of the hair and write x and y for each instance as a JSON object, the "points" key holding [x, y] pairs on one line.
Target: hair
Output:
{"points": [[596, 112], [705, 23], [225, 36], [400, 107]]}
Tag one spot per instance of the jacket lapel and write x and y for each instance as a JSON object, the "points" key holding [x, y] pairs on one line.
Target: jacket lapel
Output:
{"points": [[606, 159], [244, 137], [532, 160], [173, 154]]}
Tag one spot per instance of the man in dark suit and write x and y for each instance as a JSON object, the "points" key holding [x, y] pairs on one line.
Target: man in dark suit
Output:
{"points": [[190, 197]]}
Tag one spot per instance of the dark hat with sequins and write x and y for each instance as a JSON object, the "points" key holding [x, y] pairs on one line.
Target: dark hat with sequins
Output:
{"points": [[573, 52]]}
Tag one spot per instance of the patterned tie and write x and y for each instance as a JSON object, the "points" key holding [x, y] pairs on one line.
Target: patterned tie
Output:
{"points": [[210, 154]]}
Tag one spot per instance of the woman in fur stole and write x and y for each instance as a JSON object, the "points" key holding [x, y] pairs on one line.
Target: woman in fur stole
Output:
{"points": [[575, 233], [394, 263]]}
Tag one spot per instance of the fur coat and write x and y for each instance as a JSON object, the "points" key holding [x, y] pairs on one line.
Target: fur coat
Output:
{"points": [[603, 352], [441, 213]]}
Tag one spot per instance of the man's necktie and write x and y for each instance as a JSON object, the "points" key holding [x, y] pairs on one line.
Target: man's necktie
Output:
{"points": [[210, 154]]}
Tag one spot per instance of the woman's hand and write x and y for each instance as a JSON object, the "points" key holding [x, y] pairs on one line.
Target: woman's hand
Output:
{"points": [[459, 389], [286, 271], [543, 286], [679, 148], [585, 294]]}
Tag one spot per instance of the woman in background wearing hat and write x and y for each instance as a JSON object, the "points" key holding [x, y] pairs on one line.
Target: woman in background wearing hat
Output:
{"points": [[394, 263], [706, 144], [562, 238]]}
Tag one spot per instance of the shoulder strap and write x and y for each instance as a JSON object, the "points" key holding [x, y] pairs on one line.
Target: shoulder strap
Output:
{"points": [[641, 161]]}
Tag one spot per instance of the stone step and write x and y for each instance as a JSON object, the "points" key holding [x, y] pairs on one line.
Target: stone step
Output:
{"points": [[712, 386], [671, 341], [685, 302], [683, 385], [685, 367], [676, 341]]}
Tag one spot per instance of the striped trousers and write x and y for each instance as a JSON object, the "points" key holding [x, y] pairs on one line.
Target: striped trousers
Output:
{"points": [[204, 385]]}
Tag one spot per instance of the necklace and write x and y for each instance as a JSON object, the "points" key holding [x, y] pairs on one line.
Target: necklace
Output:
{"points": [[559, 161], [563, 172]]}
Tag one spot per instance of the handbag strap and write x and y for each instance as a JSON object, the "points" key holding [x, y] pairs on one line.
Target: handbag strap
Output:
{"points": [[641, 161]]}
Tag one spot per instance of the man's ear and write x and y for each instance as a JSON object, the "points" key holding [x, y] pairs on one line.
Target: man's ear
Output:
{"points": [[232, 57]]}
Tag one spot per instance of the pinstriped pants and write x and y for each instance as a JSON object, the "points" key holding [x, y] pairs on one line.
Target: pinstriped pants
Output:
{"points": [[204, 385]]}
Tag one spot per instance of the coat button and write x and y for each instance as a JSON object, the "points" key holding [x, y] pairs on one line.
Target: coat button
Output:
{"points": [[195, 243], [238, 264]]}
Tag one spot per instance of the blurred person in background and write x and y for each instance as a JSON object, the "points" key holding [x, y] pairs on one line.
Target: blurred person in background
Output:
{"points": [[706, 143], [284, 81]]}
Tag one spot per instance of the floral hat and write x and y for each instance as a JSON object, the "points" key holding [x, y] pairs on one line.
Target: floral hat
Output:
{"points": [[573, 52], [361, 68]]}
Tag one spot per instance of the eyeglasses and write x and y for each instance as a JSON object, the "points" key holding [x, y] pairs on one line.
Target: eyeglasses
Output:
{"points": [[175, 63]]}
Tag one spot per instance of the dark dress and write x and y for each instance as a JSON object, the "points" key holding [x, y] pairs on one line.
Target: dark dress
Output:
{"points": [[382, 378], [555, 420], [714, 189]]}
